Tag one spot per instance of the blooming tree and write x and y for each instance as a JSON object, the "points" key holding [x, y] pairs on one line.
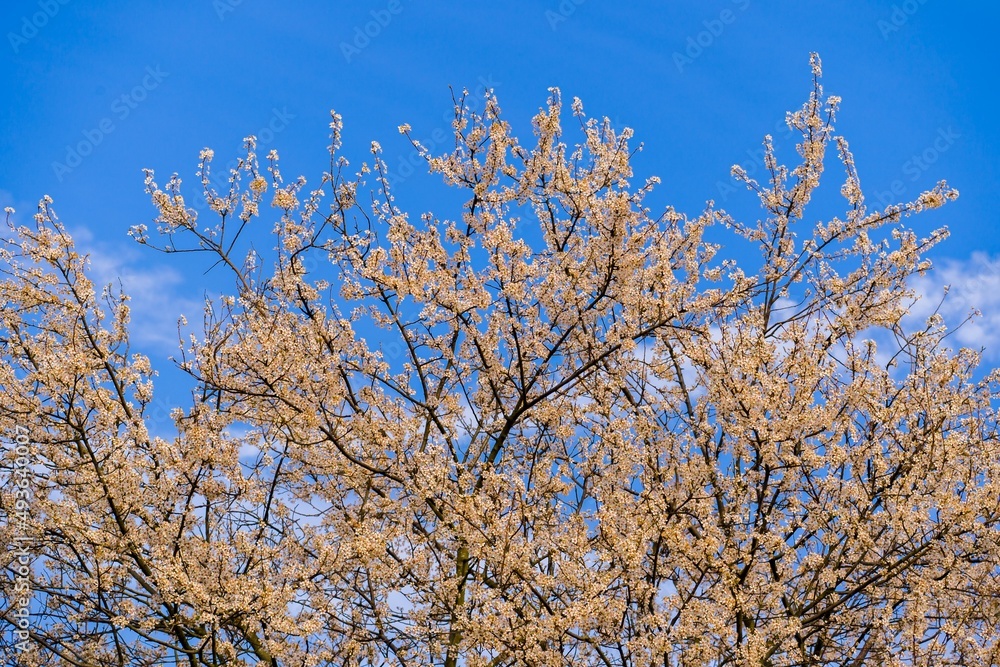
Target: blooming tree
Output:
{"points": [[582, 438]]}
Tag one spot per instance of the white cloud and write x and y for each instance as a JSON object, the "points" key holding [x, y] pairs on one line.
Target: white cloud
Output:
{"points": [[973, 284], [156, 291]]}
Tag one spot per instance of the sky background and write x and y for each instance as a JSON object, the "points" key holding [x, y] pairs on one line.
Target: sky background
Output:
{"points": [[97, 90]]}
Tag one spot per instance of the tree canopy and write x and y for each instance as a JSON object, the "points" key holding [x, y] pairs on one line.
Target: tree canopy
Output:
{"points": [[549, 428]]}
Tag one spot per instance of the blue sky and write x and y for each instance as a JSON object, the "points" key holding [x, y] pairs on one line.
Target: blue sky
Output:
{"points": [[150, 84]]}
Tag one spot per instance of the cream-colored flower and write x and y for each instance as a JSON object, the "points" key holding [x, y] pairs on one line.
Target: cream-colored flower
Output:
{"points": [[284, 199], [555, 427]]}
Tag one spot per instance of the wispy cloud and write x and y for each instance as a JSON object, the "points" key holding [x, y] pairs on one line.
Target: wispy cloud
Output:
{"points": [[157, 292], [971, 284]]}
